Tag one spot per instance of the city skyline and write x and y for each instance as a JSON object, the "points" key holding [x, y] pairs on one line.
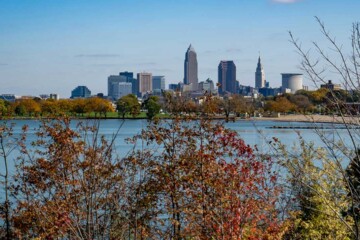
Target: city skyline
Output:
{"points": [[53, 46]]}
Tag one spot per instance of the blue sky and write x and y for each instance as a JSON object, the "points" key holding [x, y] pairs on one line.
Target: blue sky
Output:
{"points": [[53, 46]]}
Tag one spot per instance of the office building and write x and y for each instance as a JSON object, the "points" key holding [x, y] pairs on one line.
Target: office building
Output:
{"points": [[207, 86], [227, 77], [122, 89], [123, 77], [113, 83], [174, 87], [158, 83], [259, 75], [130, 79], [191, 69], [80, 92], [292, 81], [145, 83]]}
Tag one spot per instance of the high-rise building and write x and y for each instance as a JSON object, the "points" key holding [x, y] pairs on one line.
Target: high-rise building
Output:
{"points": [[158, 83], [80, 92], [122, 89], [227, 77], [292, 81], [145, 83], [191, 68], [130, 79], [259, 75], [123, 77], [113, 83]]}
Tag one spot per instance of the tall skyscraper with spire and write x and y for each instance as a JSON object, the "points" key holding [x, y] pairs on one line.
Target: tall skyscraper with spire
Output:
{"points": [[191, 68], [259, 75]]}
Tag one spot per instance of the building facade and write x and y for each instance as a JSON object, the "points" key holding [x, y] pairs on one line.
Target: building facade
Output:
{"points": [[226, 77], [292, 81], [158, 83], [259, 75], [207, 86], [191, 69], [80, 92], [145, 83], [113, 83]]}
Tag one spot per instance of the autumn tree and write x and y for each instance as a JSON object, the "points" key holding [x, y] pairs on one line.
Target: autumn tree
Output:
{"points": [[8, 143], [67, 184], [201, 181], [302, 103], [280, 104]]}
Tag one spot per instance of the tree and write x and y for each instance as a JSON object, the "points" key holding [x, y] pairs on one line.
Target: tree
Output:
{"points": [[316, 190], [67, 184], [344, 66], [128, 104], [201, 181], [7, 146], [152, 106], [281, 104], [302, 103]]}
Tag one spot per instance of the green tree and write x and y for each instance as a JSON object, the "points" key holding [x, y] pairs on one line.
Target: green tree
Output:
{"points": [[152, 106], [128, 104], [317, 192]]}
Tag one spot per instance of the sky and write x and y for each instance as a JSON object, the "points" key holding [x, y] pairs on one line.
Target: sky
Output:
{"points": [[52, 46]]}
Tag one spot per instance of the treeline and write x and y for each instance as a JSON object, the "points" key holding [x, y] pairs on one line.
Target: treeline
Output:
{"points": [[320, 101], [51, 108]]}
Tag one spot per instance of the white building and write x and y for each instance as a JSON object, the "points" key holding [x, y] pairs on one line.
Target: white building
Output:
{"points": [[292, 81]]}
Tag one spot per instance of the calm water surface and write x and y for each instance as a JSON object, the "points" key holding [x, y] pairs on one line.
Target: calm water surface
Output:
{"points": [[253, 132]]}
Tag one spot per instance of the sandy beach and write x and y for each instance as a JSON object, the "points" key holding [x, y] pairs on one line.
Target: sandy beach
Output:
{"points": [[310, 118]]}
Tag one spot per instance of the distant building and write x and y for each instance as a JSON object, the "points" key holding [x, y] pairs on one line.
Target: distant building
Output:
{"points": [[266, 91], [227, 77], [127, 74], [8, 97], [130, 79], [44, 96], [207, 86], [113, 83], [191, 69], [174, 87], [80, 92], [246, 90], [145, 83], [259, 75], [331, 86], [158, 83], [292, 81], [54, 96], [122, 89]]}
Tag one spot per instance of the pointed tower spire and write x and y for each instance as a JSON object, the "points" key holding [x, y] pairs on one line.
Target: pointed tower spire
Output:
{"points": [[259, 75]]}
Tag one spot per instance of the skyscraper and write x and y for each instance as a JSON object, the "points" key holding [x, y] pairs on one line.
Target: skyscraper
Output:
{"points": [[259, 75], [191, 68], [227, 77], [158, 82], [145, 83]]}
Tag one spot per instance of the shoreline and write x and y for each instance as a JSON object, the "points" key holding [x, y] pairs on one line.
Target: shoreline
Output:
{"points": [[313, 118]]}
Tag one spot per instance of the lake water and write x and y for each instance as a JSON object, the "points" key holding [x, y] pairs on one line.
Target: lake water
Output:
{"points": [[253, 132]]}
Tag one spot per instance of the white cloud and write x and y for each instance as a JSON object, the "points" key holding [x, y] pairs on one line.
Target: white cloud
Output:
{"points": [[286, 1]]}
